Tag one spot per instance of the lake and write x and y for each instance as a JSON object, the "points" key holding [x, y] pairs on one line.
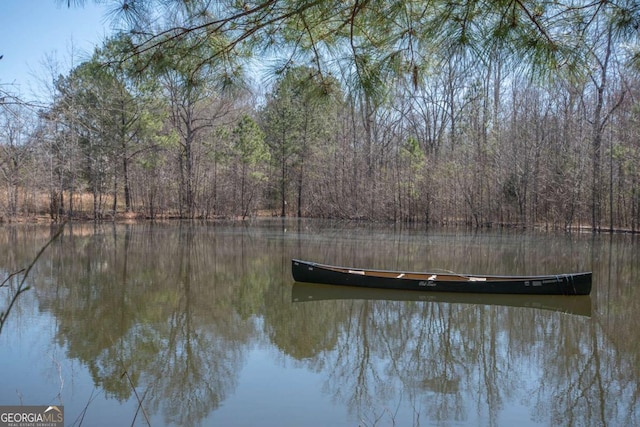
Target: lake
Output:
{"points": [[196, 324]]}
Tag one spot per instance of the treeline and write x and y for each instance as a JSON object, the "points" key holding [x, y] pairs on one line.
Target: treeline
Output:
{"points": [[477, 143]]}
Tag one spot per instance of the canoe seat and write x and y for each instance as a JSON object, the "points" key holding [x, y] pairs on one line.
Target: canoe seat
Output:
{"points": [[357, 272]]}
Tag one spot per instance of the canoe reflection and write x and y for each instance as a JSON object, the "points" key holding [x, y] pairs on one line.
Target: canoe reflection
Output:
{"points": [[578, 305]]}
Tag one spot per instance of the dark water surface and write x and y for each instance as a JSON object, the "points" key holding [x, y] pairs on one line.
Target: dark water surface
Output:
{"points": [[182, 324]]}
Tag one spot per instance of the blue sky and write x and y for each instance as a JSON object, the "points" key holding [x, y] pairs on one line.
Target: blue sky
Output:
{"points": [[32, 29]]}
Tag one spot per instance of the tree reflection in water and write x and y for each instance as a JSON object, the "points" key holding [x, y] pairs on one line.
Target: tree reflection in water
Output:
{"points": [[456, 362], [161, 318], [179, 308]]}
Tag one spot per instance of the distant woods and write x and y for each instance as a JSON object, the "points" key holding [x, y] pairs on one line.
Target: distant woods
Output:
{"points": [[172, 125]]}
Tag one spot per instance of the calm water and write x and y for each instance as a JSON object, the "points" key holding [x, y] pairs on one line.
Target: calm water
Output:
{"points": [[184, 325]]}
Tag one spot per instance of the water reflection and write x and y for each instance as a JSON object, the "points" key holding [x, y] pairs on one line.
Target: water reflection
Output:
{"points": [[452, 361], [169, 314], [306, 292]]}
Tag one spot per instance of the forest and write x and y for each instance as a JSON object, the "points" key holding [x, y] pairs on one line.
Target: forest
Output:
{"points": [[505, 113]]}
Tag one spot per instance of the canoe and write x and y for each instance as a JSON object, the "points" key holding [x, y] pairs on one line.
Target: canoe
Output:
{"points": [[313, 292], [552, 284]]}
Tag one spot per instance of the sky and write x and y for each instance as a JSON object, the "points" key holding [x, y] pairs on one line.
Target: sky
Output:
{"points": [[32, 30]]}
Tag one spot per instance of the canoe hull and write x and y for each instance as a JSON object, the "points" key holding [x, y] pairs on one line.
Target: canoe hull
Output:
{"points": [[560, 284]]}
